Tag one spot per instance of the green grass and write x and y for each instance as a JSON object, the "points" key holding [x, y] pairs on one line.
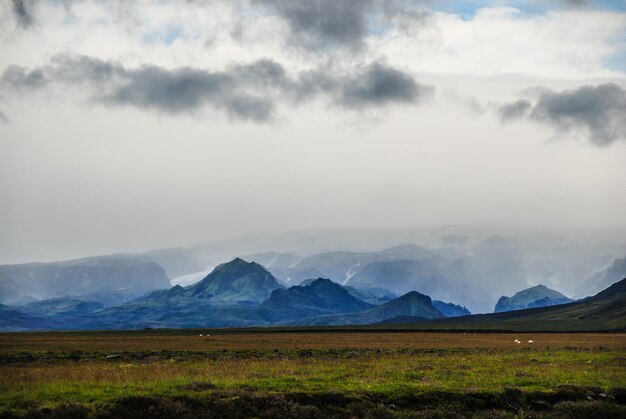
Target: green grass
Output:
{"points": [[316, 375], [392, 375]]}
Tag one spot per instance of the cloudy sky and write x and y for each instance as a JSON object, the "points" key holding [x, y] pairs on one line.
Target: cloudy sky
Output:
{"points": [[136, 125]]}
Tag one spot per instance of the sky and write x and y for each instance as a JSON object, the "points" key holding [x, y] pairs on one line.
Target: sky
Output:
{"points": [[127, 126]]}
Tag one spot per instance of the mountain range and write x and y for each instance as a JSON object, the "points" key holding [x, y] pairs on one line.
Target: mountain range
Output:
{"points": [[243, 294], [237, 293], [398, 270], [471, 266]]}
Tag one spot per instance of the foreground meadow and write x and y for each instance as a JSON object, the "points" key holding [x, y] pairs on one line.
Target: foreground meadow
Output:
{"points": [[312, 374]]}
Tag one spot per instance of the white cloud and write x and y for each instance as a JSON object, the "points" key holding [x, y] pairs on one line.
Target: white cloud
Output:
{"points": [[497, 41]]}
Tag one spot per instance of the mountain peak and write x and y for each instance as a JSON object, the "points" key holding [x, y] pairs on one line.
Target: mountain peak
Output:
{"points": [[235, 282], [413, 295], [536, 296], [321, 282], [237, 265], [237, 261], [412, 304], [321, 297]]}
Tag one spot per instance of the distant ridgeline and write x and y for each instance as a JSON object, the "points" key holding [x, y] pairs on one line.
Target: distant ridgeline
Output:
{"points": [[240, 293], [110, 280], [237, 293]]}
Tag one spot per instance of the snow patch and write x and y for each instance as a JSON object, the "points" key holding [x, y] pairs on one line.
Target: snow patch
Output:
{"points": [[189, 279], [350, 273]]}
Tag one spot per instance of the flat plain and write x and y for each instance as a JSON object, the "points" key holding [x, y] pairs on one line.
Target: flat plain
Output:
{"points": [[312, 373]]}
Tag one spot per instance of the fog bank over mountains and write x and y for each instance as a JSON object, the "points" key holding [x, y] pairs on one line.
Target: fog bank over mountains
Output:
{"points": [[470, 266]]}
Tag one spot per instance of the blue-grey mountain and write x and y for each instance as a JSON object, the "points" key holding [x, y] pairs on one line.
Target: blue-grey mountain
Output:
{"points": [[29, 282], [537, 296]]}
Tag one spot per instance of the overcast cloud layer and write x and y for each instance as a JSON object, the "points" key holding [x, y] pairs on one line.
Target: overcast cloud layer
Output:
{"points": [[130, 125]]}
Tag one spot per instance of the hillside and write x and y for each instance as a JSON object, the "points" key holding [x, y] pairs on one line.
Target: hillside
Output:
{"points": [[606, 311], [412, 304], [12, 319], [61, 307], [451, 309]]}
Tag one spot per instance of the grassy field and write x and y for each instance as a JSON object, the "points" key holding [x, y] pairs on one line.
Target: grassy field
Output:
{"points": [[312, 374]]}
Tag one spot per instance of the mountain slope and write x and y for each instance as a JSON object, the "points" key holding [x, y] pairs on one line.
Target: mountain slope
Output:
{"points": [[412, 304], [614, 272], [450, 309], [374, 296], [37, 281], [61, 307], [537, 296], [13, 320], [320, 297]]}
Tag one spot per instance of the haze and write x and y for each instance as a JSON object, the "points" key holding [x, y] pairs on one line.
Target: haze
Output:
{"points": [[127, 127]]}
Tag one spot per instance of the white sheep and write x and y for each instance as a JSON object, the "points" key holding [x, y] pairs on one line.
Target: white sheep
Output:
{"points": [[200, 334], [530, 341]]}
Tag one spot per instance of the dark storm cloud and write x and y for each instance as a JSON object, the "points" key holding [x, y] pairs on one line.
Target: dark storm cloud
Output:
{"points": [[597, 111], [184, 90], [23, 14], [315, 23], [381, 85], [243, 91], [318, 24], [373, 86], [173, 91]]}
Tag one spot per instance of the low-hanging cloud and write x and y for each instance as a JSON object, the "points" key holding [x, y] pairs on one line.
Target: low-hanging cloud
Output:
{"points": [[250, 91], [380, 85], [4, 119], [23, 14], [599, 112], [514, 110]]}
